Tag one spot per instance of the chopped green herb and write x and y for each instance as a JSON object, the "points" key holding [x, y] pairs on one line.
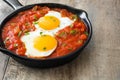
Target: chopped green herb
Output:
{"points": [[26, 33], [41, 33], [71, 26], [62, 34], [7, 38], [19, 34], [35, 17], [58, 25], [64, 44], [73, 32], [44, 48], [70, 48], [15, 45], [42, 13], [80, 41], [86, 33], [27, 24], [74, 17], [35, 22]]}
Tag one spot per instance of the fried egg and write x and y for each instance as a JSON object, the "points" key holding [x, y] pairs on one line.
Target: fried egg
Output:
{"points": [[53, 22], [39, 45], [42, 42]]}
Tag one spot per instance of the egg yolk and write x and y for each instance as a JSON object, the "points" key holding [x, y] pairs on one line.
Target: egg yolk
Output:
{"points": [[49, 22], [45, 43]]}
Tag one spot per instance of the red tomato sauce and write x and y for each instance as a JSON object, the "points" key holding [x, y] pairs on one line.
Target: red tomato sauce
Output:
{"points": [[69, 39]]}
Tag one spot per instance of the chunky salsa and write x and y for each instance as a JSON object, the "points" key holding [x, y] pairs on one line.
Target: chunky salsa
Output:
{"points": [[69, 39]]}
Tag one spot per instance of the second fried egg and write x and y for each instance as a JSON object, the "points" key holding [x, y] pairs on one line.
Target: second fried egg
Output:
{"points": [[39, 45]]}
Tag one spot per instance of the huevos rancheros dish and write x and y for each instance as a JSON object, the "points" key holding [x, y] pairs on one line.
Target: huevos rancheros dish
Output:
{"points": [[43, 32]]}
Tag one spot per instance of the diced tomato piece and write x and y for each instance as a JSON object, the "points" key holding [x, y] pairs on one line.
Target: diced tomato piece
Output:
{"points": [[38, 14], [78, 25], [83, 37], [21, 51], [11, 47], [16, 30]]}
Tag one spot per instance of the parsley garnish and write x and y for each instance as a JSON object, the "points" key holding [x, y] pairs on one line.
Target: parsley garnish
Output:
{"points": [[62, 34], [64, 44], [27, 24], [74, 17], [35, 22], [44, 48], [80, 41], [35, 17], [86, 33], [15, 45], [26, 33], [71, 26], [73, 32], [41, 33], [19, 34], [70, 48], [7, 38]]}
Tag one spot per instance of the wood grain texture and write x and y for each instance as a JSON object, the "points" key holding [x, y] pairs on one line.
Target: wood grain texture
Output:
{"points": [[4, 11], [100, 60]]}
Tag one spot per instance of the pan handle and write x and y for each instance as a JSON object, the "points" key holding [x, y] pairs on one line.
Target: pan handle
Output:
{"points": [[84, 16], [15, 4]]}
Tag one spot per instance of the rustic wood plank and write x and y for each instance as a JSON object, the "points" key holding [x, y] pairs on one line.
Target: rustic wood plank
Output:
{"points": [[99, 61], [4, 11], [3, 64]]}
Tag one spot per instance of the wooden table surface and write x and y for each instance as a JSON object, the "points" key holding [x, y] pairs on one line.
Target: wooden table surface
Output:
{"points": [[100, 60]]}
